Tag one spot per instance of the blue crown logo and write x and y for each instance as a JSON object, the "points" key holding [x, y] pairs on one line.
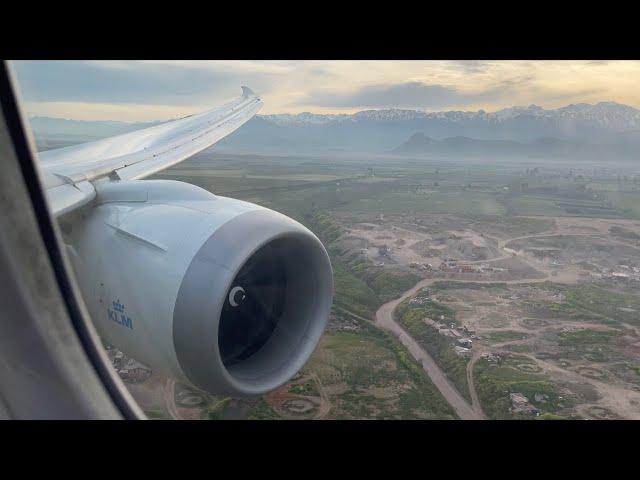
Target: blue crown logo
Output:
{"points": [[117, 306]]}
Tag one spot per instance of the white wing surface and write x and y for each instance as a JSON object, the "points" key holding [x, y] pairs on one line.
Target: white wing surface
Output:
{"points": [[70, 171]]}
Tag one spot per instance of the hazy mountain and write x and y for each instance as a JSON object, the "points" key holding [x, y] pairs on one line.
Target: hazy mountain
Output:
{"points": [[421, 145], [384, 130], [59, 132], [605, 123]]}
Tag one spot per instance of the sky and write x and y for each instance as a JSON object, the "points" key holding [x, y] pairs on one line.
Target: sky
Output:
{"points": [[134, 91]]}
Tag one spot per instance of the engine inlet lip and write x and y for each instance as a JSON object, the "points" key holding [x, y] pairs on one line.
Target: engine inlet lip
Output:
{"points": [[227, 250]]}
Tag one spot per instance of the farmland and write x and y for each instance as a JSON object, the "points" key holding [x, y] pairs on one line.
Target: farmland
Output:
{"points": [[538, 261]]}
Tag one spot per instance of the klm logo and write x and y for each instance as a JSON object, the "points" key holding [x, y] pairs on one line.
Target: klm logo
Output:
{"points": [[116, 314]]}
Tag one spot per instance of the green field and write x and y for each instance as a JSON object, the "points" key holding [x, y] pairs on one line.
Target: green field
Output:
{"points": [[494, 383], [411, 316], [366, 373], [370, 375], [591, 302], [299, 185]]}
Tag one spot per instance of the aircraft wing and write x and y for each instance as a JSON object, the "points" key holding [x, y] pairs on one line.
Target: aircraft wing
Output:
{"points": [[69, 172]]}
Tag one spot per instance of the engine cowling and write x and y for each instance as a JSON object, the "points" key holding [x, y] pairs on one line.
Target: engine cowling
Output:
{"points": [[227, 295]]}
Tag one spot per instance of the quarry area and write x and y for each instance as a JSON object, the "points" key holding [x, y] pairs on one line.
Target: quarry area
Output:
{"points": [[561, 249], [534, 305]]}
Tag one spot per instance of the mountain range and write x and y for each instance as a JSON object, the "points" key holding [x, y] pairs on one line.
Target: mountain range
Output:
{"points": [[421, 145], [513, 130]]}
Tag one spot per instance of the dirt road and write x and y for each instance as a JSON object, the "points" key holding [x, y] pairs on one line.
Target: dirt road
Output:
{"points": [[169, 399], [384, 319], [325, 405], [475, 401], [620, 401]]}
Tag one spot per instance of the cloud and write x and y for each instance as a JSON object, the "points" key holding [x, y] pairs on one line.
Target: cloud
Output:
{"points": [[145, 83], [513, 90], [406, 95], [471, 66], [155, 90]]}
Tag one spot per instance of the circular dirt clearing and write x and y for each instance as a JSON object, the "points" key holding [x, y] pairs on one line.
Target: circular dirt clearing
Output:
{"points": [[590, 372], [595, 357], [533, 323], [528, 367], [601, 413], [185, 399], [298, 406]]}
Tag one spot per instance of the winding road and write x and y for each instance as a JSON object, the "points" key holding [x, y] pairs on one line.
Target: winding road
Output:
{"points": [[385, 320], [169, 399]]}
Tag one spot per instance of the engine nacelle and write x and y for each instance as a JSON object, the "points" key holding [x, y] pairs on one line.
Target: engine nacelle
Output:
{"points": [[227, 295]]}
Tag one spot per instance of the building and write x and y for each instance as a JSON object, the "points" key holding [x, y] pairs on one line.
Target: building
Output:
{"points": [[491, 357], [521, 404], [461, 351], [134, 371]]}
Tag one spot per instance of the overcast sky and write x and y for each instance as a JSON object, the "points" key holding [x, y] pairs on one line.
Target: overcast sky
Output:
{"points": [[157, 90]]}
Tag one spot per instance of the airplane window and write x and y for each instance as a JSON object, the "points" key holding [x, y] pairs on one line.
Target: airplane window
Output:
{"points": [[412, 240]]}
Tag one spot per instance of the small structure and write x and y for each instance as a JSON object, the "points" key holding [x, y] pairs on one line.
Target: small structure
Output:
{"points": [[461, 351], [541, 397], [521, 404], [620, 275], [469, 332], [491, 357], [134, 371]]}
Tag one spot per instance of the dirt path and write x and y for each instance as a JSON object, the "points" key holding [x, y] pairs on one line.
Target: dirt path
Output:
{"points": [[475, 401], [462, 408], [384, 319], [325, 405], [169, 399], [620, 401], [623, 402]]}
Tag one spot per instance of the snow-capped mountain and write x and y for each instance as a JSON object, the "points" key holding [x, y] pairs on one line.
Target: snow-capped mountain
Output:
{"points": [[305, 118], [385, 130], [608, 115]]}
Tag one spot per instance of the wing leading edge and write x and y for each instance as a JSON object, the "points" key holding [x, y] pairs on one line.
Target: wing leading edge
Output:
{"points": [[70, 171]]}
